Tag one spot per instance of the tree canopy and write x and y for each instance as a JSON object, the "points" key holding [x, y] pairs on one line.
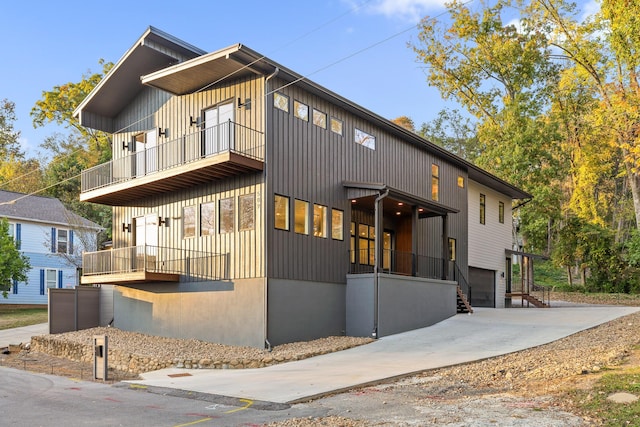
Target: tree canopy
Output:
{"points": [[14, 266]]}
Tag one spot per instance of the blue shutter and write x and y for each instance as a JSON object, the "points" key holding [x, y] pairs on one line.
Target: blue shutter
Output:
{"points": [[18, 236], [41, 282], [53, 240], [71, 242], [59, 278], [15, 286]]}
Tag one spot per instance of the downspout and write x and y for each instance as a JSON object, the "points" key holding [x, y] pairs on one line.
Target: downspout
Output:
{"points": [[376, 260], [267, 344]]}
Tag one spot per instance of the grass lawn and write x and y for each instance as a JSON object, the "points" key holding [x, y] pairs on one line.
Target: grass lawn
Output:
{"points": [[14, 317]]}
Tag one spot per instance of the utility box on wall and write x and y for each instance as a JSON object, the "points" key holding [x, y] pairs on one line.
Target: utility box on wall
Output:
{"points": [[100, 351]]}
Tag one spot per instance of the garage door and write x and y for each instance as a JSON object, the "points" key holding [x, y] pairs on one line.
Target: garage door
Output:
{"points": [[483, 292]]}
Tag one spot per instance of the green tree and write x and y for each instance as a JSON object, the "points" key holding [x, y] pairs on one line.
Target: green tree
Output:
{"points": [[14, 266], [454, 133], [9, 137], [504, 76]]}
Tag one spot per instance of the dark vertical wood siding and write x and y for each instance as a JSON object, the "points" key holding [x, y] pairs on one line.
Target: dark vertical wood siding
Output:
{"points": [[310, 163]]}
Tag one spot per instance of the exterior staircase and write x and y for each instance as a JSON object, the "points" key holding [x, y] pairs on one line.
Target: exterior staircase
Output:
{"points": [[535, 301], [462, 302]]}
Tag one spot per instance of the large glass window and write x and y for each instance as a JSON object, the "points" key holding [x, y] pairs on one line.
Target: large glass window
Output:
{"points": [[483, 206], [207, 219], [352, 243], [363, 138], [281, 210], [247, 216], [281, 102], [226, 215], [366, 244], [189, 221], [435, 182], [319, 221], [501, 212], [337, 225], [63, 241], [301, 110], [301, 216]]}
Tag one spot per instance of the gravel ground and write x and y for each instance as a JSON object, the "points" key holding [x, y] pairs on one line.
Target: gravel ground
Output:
{"points": [[520, 389]]}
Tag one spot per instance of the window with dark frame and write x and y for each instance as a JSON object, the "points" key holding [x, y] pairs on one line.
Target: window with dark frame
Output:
{"points": [[189, 221], [365, 139], [281, 210], [281, 102], [483, 201], [435, 182], [452, 249], [320, 221], [319, 119], [301, 110], [336, 126], [337, 224], [226, 215], [301, 216], [501, 212]]}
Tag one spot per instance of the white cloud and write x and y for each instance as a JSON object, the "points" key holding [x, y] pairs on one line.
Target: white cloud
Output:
{"points": [[411, 10], [589, 8]]}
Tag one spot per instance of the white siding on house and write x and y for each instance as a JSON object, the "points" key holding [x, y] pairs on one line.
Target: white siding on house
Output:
{"points": [[488, 241]]}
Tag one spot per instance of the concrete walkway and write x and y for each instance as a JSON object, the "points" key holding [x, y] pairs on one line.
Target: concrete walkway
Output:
{"points": [[22, 335], [459, 339]]}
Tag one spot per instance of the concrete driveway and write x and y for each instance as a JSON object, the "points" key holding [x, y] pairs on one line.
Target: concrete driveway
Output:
{"points": [[22, 335], [459, 339]]}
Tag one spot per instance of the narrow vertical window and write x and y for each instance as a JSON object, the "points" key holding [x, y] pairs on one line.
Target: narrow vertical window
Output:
{"points": [[452, 249], [189, 221], [352, 243], [51, 278], [207, 219], [320, 221], [483, 201], [460, 181], [247, 216], [337, 217], [501, 212], [281, 210], [435, 182], [301, 216], [226, 215]]}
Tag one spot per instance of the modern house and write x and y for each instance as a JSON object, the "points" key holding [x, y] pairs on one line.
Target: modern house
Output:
{"points": [[253, 206], [52, 237]]}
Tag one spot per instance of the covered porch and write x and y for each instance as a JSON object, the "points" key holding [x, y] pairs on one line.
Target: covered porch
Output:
{"points": [[401, 276]]}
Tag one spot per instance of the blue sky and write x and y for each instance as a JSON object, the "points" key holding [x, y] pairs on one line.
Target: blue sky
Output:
{"points": [[48, 43]]}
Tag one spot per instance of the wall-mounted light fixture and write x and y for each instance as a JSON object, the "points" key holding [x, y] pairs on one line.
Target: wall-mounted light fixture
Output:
{"points": [[246, 103], [194, 121], [163, 132], [126, 227], [163, 221], [126, 145]]}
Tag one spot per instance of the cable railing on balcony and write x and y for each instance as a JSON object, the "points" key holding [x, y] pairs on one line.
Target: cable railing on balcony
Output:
{"points": [[225, 137], [397, 262], [190, 265]]}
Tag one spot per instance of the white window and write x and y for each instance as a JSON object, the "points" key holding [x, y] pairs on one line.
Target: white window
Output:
{"points": [[51, 278], [63, 241]]}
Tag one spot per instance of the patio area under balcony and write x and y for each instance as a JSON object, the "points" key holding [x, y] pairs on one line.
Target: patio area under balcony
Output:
{"points": [[146, 264], [213, 153]]}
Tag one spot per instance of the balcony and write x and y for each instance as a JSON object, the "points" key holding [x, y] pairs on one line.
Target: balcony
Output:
{"points": [[143, 264], [213, 153]]}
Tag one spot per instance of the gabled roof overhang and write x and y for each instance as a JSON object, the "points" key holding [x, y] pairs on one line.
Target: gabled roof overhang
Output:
{"points": [[153, 51]]}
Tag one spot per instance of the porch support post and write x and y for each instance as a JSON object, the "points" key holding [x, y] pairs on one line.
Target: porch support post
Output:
{"points": [[414, 240], [445, 247], [378, 216]]}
